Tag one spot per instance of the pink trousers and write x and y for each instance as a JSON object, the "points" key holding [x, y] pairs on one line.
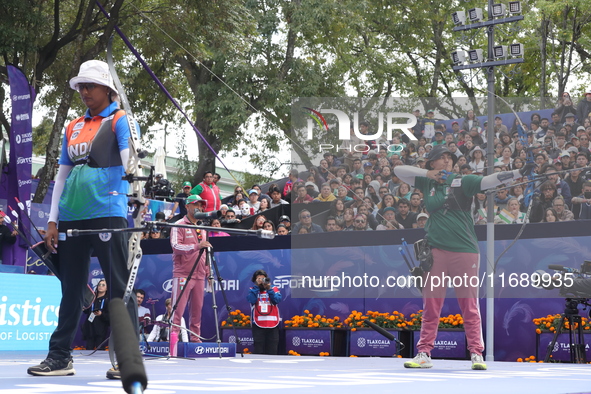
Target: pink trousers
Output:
{"points": [[451, 265], [193, 295]]}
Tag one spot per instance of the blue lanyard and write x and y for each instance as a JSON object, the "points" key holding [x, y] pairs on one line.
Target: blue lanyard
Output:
{"points": [[102, 305]]}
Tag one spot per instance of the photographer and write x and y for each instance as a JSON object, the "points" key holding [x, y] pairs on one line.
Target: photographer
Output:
{"points": [[96, 326], [265, 313]]}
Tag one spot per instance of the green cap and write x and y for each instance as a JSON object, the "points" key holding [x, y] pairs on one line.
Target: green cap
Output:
{"points": [[194, 199], [187, 184]]}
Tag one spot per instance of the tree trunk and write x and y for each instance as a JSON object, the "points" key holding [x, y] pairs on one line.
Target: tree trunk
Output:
{"points": [[543, 62]]}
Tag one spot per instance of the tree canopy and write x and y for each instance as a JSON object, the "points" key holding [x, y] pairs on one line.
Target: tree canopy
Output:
{"points": [[234, 63]]}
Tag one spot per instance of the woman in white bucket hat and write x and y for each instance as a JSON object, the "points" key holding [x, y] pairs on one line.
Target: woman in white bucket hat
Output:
{"points": [[89, 193]]}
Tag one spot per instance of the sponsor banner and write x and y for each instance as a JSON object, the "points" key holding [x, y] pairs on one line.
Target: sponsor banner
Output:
{"points": [[193, 350], [372, 343], [448, 344], [29, 307], [244, 336], [561, 350], [308, 341], [21, 149], [157, 349], [21, 131]]}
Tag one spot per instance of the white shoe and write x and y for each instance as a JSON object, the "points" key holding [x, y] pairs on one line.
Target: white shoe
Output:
{"points": [[421, 360], [477, 362]]}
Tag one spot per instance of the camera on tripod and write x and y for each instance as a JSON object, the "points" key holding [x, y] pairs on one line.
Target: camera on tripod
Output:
{"points": [[569, 280], [575, 286]]}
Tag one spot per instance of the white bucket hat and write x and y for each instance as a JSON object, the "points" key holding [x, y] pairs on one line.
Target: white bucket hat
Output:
{"points": [[94, 71]]}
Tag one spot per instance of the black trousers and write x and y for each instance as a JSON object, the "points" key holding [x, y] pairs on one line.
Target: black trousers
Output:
{"points": [[266, 340], [74, 259]]}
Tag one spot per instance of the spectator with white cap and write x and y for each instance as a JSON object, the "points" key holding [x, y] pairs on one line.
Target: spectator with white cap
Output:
{"points": [[422, 220], [565, 160], [253, 201], [477, 160]]}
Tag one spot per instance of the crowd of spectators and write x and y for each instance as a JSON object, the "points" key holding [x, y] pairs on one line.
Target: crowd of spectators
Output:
{"points": [[364, 194]]}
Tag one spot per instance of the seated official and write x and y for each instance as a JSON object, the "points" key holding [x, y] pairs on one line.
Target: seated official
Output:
{"points": [[161, 333]]}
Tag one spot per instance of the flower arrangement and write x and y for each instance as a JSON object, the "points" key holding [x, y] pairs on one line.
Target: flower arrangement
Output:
{"points": [[451, 321], [293, 353], [550, 324], [311, 321], [530, 359], [416, 319], [237, 319], [385, 320]]}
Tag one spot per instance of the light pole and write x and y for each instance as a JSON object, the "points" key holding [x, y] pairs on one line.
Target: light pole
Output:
{"points": [[494, 11]]}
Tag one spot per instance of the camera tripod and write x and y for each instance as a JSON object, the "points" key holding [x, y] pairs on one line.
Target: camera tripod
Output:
{"points": [[575, 331]]}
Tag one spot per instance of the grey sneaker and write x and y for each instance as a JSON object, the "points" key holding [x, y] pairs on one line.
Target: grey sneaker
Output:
{"points": [[51, 367], [421, 360], [114, 373], [478, 362]]}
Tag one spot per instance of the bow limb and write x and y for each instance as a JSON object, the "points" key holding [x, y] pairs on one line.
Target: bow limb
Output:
{"points": [[136, 196], [132, 175]]}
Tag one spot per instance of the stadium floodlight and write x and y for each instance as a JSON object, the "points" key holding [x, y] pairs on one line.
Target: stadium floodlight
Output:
{"points": [[475, 14], [500, 51], [498, 10], [475, 55], [459, 17], [516, 50], [515, 7], [458, 57]]}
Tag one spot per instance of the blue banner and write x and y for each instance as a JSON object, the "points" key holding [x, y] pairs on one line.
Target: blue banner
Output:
{"points": [[29, 306], [21, 149]]}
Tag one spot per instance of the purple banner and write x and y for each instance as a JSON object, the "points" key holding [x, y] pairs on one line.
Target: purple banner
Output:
{"points": [[561, 351], [367, 342], [244, 335], [21, 150], [448, 344], [308, 341]]}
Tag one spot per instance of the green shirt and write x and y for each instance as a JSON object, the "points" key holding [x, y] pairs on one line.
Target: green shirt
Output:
{"points": [[451, 230]]}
